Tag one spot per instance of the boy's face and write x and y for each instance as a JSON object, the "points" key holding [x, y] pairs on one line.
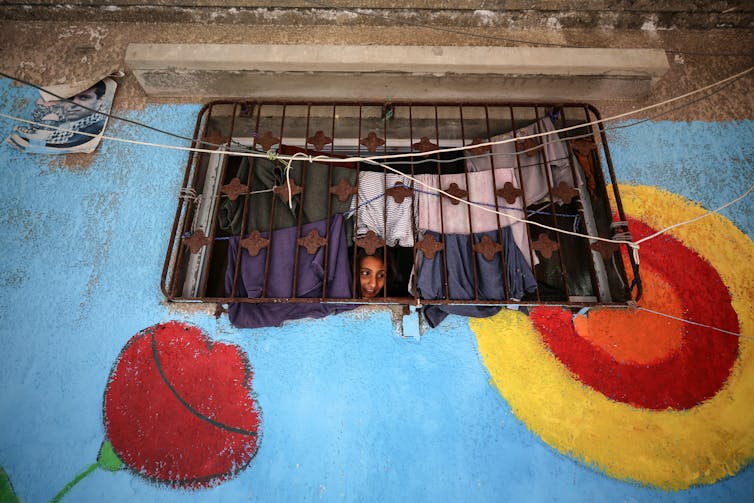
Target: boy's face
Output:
{"points": [[74, 110]]}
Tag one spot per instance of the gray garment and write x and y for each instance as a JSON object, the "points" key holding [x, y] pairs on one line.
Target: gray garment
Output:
{"points": [[382, 214], [267, 174], [489, 274]]}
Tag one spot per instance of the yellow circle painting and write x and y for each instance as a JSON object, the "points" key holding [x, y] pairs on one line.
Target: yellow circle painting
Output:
{"points": [[638, 396]]}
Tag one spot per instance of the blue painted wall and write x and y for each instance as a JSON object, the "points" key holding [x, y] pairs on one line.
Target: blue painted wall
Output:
{"points": [[351, 411]]}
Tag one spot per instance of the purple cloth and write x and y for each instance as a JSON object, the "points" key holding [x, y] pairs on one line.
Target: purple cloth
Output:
{"points": [[490, 284], [309, 283]]}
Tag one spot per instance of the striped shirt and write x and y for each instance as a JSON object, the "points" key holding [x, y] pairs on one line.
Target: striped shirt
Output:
{"points": [[375, 211]]}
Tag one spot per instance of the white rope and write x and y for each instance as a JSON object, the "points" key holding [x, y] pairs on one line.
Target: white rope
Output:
{"points": [[408, 154], [288, 175], [658, 313], [372, 160], [556, 131], [633, 245], [705, 215]]}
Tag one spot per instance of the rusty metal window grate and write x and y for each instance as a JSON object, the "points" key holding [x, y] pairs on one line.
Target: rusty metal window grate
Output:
{"points": [[255, 226]]}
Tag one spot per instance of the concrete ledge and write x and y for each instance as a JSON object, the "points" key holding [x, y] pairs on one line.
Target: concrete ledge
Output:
{"points": [[394, 72]]}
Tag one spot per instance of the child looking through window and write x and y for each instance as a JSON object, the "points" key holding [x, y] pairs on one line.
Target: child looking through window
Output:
{"points": [[384, 274], [371, 275]]}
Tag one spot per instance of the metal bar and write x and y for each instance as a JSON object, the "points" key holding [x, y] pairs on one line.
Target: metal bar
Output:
{"points": [[553, 212], [273, 204], [444, 250], [384, 223], [524, 204], [618, 202], [216, 202], [191, 208], [247, 203], [414, 288], [303, 171], [503, 261], [329, 208], [402, 301], [586, 249], [472, 242], [354, 263], [167, 288]]}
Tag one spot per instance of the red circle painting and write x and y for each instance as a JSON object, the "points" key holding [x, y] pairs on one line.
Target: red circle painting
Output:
{"points": [[657, 394], [178, 408], [690, 371]]}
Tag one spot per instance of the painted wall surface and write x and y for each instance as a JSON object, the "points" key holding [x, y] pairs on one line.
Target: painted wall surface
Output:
{"points": [[350, 411]]}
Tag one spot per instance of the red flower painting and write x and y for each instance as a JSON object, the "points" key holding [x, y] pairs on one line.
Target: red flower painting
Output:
{"points": [[178, 408]]}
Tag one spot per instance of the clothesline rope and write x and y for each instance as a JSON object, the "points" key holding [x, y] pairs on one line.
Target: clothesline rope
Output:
{"points": [[191, 194], [537, 135], [720, 84], [372, 159], [618, 238], [633, 245], [409, 154], [658, 313], [273, 155], [705, 215]]}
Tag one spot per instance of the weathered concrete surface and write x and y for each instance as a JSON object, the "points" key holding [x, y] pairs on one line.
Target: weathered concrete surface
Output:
{"points": [[386, 86], [546, 14], [48, 53], [394, 72], [648, 63]]}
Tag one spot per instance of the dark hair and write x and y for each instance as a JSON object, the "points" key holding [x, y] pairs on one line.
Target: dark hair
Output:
{"points": [[99, 89], [361, 254]]}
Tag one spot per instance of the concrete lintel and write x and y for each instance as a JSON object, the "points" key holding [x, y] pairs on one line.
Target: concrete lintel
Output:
{"points": [[408, 72]]}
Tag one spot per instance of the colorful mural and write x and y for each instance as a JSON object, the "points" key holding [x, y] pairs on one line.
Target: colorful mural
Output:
{"points": [[474, 410], [178, 408], [621, 390], [640, 396]]}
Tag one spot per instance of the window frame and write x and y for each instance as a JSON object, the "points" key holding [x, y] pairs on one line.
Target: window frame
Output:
{"points": [[174, 274]]}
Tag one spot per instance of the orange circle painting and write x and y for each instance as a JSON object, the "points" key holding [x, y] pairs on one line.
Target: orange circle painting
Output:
{"points": [[636, 395]]}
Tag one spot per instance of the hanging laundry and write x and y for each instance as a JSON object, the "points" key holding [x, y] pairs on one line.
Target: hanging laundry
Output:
{"points": [[377, 211], [266, 175], [312, 269], [490, 278], [461, 218], [535, 156]]}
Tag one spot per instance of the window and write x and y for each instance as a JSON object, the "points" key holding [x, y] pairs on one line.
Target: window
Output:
{"points": [[255, 230]]}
